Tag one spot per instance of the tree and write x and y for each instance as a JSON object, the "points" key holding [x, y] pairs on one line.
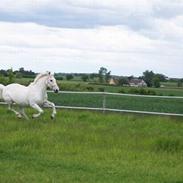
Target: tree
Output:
{"points": [[148, 77], [180, 83], [156, 81], [10, 76], [93, 76], [104, 75], [130, 78], [85, 77], [69, 76], [26, 73], [122, 81], [21, 70], [161, 77], [153, 79], [3, 72], [2, 79], [101, 74]]}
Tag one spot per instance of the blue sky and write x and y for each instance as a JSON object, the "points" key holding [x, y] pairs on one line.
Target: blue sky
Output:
{"points": [[126, 36]]}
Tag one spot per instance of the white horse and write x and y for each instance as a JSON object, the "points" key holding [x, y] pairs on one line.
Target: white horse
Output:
{"points": [[34, 95]]}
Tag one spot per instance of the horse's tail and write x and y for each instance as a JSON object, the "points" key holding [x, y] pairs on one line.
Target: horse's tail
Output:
{"points": [[1, 91]]}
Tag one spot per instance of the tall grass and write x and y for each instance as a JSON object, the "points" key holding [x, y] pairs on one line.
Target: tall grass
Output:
{"points": [[90, 147]]}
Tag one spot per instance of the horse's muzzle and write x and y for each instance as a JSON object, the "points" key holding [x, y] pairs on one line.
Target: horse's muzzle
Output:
{"points": [[56, 91]]}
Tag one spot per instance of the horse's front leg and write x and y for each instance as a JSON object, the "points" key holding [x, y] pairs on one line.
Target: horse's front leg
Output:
{"points": [[50, 104], [36, 107], [13, 110]]}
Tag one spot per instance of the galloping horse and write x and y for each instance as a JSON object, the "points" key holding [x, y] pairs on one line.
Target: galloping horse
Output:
{"points": [[34, 95]]}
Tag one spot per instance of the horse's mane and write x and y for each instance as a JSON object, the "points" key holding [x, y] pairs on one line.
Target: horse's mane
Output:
{"points": [[38, 77]]}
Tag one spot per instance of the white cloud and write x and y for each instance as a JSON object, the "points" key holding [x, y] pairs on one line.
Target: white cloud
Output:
{"points": [[125, 36], [119, 48], [130, 6], [10, 5]]}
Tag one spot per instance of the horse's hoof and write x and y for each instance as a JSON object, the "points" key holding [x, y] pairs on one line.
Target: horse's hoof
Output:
{"points": [[52, 117], [34, 116], [19, 116]]}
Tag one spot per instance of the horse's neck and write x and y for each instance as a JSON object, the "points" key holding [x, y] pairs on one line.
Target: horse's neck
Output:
{"points": [[41, 85]]}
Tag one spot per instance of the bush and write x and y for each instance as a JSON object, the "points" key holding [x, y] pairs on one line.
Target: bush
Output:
{"points": [[85, 77], [3, 80], [133, 91], [141, 91], [121, 91], [151, 92], [69, 76], [78, 85], [90, 88], [59, 78], [101, 89]]}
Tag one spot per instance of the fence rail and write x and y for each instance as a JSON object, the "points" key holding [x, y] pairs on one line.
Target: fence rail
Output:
{"points": [[104, 108], [120, 94]]}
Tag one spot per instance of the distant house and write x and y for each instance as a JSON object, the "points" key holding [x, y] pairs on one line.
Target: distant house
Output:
{"points": [[137, 83], [113, 81]]}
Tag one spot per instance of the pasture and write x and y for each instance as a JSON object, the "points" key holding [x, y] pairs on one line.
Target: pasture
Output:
{"points": [[90, 147]]}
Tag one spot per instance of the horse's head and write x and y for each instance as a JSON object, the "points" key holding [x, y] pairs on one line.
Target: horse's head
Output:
{"points": [[51, 83]]}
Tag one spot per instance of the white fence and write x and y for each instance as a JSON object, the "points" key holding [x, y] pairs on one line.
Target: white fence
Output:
{"points": [[104, 108]]}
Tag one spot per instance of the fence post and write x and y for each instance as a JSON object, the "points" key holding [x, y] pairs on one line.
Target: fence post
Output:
{"points": [[104, 102]]}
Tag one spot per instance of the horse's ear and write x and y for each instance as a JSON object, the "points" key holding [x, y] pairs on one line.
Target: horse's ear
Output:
{"points": [[48, 72]]}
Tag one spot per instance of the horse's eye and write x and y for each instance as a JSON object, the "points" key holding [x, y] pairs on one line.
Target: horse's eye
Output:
{"points": [[51, 80]]}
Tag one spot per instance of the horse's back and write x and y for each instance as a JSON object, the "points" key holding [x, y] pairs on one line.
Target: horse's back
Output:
{"points": [[15, 87], [15, 93]]}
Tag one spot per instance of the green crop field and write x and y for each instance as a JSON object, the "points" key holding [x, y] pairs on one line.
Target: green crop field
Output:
{"points": [[118, 102], [90, 147]]}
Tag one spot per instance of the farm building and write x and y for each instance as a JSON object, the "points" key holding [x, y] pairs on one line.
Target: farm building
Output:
{"points": [[113, 81], [137, 83]]}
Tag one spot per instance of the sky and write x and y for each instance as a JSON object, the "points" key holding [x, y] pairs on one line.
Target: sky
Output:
{"points": [[125, 36]]}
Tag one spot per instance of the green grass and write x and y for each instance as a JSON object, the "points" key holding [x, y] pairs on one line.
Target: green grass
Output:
{"points": [[170, 84], [91, 147]]}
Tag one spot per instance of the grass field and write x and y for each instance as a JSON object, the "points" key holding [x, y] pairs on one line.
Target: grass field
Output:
{"points": [[91, 147]]}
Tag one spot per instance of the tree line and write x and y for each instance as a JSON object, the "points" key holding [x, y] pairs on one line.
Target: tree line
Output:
{"points": [[102, 77]]}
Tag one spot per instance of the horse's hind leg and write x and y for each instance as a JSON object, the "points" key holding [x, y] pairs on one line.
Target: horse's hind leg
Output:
{"points": [[22, 112], [13, 110]]}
